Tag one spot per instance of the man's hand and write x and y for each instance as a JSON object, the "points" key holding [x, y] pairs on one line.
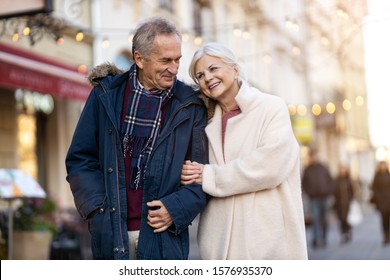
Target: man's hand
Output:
{"points": [[158, 216]]}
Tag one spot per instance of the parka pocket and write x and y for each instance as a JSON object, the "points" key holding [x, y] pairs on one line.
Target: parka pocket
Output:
{"points": [[100, 228]]}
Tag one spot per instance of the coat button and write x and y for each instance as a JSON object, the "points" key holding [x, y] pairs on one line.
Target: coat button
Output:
{"points": [[110, 131], [101, 210], [112, 210], [116, 250], [110, 170]]}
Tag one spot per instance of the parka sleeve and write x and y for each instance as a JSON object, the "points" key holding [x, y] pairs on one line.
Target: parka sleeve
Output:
{"points": [[82, 161], [186, 203]]}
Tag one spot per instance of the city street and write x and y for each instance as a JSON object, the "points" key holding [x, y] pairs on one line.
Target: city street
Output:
{"points": [[366, 241]]}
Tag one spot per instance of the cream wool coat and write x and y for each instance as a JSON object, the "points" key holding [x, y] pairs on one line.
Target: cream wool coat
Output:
{"points": [[256, 209]]}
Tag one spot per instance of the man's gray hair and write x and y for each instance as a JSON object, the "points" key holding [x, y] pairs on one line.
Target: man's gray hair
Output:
{"points": [[147, 31]]}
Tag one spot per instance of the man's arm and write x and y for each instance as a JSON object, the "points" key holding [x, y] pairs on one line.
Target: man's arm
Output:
{"points": [[180, 208], [82, 161]]}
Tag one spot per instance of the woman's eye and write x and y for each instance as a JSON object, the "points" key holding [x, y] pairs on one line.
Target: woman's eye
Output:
{"points": [[199, 76]]}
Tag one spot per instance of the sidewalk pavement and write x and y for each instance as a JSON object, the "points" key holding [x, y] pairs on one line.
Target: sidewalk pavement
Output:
{"points": [[366, 243]]}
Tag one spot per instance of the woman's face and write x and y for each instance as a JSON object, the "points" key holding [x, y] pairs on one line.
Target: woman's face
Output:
{"points": [[216, 79]]}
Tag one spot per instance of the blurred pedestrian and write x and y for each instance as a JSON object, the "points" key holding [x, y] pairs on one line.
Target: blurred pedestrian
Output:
{"points": [[381, 197], [125, 160], [343, 195], [318, 184], [255, 207]]}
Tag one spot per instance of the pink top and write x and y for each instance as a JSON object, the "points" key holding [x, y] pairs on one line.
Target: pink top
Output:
{"points": [[232, 113]]}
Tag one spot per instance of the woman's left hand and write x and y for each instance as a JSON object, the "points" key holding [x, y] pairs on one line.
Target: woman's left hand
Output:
{"points": [[191, 173]]}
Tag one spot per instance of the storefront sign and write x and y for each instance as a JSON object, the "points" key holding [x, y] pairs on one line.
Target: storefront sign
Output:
{"points": [[12, 8], [17, 71]]}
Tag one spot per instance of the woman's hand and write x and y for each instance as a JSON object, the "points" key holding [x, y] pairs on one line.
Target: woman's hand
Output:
{"points": [[191, 173]]}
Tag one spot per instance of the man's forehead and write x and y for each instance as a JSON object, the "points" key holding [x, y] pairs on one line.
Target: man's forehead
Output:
{"points": [[171, 50]]}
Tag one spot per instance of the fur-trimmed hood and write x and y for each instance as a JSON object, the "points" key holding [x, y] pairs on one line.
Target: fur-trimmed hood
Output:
{"points": [[102, 71]]}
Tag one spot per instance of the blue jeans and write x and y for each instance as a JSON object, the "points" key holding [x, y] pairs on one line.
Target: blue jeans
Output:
{"points": [[319, 212]]}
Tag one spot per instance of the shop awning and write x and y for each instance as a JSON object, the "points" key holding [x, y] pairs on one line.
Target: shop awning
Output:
{"points": [[21, 69]]}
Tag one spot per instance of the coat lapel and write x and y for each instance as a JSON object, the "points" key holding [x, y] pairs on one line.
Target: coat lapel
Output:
{"points": [[214, 135]]}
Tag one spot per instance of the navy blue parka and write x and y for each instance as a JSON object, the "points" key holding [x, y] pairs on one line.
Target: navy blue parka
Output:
{"points": [[95, 168]]}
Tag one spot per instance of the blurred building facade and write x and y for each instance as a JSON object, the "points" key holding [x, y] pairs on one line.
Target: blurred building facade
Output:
{"points": [[310, 53], [336, 85], [42, 88]]}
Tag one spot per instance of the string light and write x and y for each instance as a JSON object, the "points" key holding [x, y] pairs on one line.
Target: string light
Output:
{"points": [[26, 31], [198, 40], [342, 14], [267, 59], [82, 68], [292, 109], [105, 43], [60, 40], [237, 31], [185, 37], [302, 110], [296, 51], [15, 37], [79, 36], [292, 25], [246, 35], [359, 101], [324, 41], [347, 105], [330, 108], [316, 109]]}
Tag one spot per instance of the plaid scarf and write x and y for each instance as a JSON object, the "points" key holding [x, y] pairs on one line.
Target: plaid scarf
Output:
{"points": [[141, 126]]}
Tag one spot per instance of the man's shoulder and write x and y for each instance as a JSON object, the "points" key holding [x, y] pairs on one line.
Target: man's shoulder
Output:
{"points": [[185, 92], [180, 86]]}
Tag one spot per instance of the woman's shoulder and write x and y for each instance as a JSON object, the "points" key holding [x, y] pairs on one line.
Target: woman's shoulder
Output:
{"points": [[266, 99]]}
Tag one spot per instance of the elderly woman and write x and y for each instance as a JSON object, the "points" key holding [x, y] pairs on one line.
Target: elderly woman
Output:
{"points": [[253, 180]]}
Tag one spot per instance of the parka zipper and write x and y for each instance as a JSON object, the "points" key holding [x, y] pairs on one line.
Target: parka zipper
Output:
{"points": [[118, 194], [117, 183]]}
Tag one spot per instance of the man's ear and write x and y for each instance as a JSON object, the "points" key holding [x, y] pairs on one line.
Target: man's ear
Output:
{"points": [[138, 60]]}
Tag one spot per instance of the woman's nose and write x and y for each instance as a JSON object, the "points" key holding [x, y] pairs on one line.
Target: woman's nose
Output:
{"points": [[207, 76]]}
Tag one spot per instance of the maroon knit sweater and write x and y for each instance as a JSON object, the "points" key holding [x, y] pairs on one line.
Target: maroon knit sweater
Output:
{"points": [[134, 197]]}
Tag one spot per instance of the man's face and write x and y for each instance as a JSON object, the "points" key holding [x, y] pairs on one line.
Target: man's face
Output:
{"points": [[160, 69]]}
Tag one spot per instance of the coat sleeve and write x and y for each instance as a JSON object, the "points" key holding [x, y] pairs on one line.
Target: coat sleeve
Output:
{"points": [[82, 161], [270, 163], [186, 203]]}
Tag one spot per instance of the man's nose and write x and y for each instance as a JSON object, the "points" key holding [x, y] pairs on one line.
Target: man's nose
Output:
{"points": [[174, 68]]}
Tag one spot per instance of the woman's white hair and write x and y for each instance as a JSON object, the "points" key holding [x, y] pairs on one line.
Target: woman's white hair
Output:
{"points": [[215, 50]]}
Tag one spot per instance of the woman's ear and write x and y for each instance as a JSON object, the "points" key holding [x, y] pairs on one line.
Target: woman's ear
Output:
{"points": [[236, 72]]}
